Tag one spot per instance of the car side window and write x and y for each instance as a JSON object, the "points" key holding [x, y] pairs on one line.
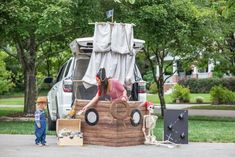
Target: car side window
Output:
{"points": [[67, 68], [60, 75]]}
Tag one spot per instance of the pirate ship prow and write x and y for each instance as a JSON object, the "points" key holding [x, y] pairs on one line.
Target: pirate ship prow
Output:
{"points": [[115, 123]]}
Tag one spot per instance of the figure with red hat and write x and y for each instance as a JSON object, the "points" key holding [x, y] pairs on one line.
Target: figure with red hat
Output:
{"points": [[40, 121], [149, 123]]}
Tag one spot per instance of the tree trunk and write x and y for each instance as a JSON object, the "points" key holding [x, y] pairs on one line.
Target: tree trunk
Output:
{"points": [[159, 81], [161, 98], [30, 91], [160, 84], [26, 52]]}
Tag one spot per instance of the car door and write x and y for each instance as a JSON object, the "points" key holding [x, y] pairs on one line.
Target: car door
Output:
{"points": [[54, 91], [64, 97]]}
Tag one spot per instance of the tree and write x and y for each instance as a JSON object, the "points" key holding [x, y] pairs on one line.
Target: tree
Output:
{"points": [[224, 48], [27, 25], [175, 28]]}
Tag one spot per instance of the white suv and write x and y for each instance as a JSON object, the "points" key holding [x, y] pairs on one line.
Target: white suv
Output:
{"points": [[66, 89]]}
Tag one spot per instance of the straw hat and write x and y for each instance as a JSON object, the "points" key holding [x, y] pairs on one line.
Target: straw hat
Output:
{"points": [[41, 100]]}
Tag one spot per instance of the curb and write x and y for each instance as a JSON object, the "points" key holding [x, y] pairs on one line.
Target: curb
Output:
{"points": [[6, 119]]}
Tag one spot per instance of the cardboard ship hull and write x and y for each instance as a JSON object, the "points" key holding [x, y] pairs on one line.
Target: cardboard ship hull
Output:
{"points": [[108, 130]]}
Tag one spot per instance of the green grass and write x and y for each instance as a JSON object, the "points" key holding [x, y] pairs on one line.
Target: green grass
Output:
{"points": [[12, 94], [206, 130], [19, 127], [154, 98], [8, 111], [206, 97], [12, 101], [16, 98], [201, 129], [214, 107]]}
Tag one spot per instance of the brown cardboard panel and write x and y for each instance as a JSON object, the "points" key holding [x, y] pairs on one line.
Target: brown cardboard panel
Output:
{"points": [[109, 131]]}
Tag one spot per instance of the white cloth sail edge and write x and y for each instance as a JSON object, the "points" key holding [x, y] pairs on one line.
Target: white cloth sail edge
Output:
{"points": [[112, 50]]}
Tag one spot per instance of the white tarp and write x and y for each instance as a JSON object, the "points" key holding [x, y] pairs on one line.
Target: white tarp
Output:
{"points": [[102, 38], [122, 39], [112, 50]]}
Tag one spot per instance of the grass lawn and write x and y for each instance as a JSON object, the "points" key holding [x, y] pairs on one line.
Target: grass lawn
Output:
{"points": [[206, 129], [154, 98], [214, 107], [201, 129], [8, 111], [16, 98], [12, 101], [19, 127]]}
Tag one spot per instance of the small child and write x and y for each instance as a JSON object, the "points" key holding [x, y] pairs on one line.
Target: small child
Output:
{"points": [[40, 121]]}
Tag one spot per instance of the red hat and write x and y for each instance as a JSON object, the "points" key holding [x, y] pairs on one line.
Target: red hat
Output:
{"points": [[148, 104]]}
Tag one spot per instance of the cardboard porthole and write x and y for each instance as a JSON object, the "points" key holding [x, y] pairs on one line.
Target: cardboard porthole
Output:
{"points": [[135, 117], [91, 117]]}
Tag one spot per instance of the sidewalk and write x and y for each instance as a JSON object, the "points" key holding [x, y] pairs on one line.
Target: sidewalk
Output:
{"points": [[23, 146], [199, 112]]}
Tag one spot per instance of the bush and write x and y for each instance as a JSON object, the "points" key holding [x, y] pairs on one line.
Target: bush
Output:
{"points": [[153, 88], [221, 95], [229, 83], [200, 85], [199, 100], [148, 77], [181, 94]]}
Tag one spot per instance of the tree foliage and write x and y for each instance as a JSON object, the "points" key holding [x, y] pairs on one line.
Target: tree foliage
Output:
{"points": [[35, 32], [176, 28], [5, 83], [28, 26]]}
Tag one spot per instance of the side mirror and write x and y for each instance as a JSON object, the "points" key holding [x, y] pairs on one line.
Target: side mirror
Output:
{"points": [[48, 80]]}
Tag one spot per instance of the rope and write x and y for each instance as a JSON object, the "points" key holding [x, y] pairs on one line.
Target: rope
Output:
{"points": [[114, 106]]}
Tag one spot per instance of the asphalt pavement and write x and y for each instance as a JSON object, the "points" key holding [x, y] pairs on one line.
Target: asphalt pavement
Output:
{"points": [[199, 112], [23, 146]]}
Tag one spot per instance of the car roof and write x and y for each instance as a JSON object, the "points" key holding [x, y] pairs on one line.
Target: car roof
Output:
{"points": [[87, 43]]}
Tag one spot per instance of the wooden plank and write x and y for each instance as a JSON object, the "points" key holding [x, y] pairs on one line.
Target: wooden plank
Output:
{"points": [[76, 141]]}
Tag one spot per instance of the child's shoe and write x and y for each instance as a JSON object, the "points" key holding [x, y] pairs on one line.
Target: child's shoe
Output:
{"points": [[44, 144]]}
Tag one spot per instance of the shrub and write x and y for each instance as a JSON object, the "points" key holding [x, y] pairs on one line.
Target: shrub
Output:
{"points": [[153, 88], [199, 100], [221, 95], [148, 77], [229, 82], [200, 85], [181, 94]]}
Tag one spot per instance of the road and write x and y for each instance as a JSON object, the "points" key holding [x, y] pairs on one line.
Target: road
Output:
{"points": [[23, 146]]}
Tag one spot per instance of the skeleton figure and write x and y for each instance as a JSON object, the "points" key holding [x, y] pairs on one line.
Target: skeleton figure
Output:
{"points": [[149, 123]]}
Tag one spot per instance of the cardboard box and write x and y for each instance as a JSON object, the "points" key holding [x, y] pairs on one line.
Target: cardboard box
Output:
{"points": [[70, 124]]}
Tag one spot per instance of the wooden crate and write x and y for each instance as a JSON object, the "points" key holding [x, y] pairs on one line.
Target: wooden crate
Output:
{"points": [[73, 125], [109, 131]]}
